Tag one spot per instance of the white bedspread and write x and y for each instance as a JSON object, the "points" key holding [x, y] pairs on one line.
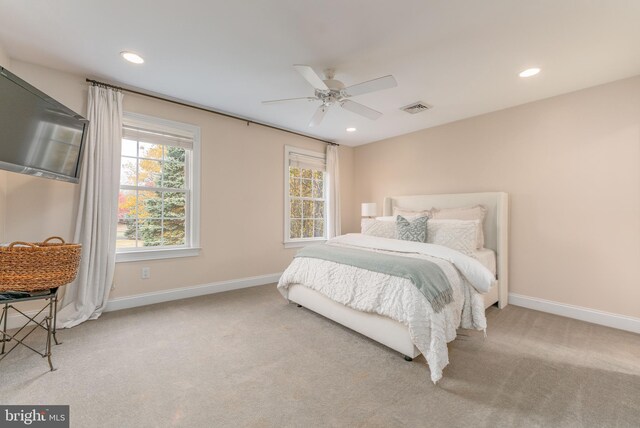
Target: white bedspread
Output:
{"points": [[397, 298]]}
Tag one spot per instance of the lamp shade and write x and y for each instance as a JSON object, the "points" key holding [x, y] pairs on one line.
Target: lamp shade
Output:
{"points": [[369, 209]]}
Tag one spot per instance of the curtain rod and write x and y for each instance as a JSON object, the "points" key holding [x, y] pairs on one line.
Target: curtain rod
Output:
{"points": [[208, 110]]}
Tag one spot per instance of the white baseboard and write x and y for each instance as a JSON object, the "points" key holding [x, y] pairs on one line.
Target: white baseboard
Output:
{"points": [[186, 292], [594, 316], [16, 320]]}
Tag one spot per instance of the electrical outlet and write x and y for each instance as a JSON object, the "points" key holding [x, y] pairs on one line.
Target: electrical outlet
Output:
{"points": [[146, 273]]}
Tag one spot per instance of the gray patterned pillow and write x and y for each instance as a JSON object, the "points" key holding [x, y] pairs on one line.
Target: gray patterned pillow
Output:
{"points": [[412, 230]]}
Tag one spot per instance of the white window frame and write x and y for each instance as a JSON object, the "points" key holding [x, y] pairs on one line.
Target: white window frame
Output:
{"points": [[192, 245], [301, 242]]}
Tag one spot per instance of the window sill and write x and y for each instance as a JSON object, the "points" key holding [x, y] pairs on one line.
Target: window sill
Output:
{"points": [[167, 253], [298, 244]]}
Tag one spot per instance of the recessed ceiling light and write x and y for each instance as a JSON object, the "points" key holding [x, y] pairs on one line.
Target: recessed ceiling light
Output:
{"points": [[132, 57], [351, 129], [529, 72]]}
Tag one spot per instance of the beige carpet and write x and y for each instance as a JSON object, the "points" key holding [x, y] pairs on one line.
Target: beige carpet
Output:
{"points": [[246, 358]]}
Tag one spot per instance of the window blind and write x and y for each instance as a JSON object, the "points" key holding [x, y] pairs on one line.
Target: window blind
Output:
{"points": [[163, 138], [299, 160]]}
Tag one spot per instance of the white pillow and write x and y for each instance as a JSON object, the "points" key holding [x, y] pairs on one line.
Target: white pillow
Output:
{"points": [[380, 228], [409, 214], [477, 212], [459, 235]]}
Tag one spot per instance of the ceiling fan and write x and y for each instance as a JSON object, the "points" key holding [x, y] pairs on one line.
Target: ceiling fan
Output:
{"points": [[330, 91]]}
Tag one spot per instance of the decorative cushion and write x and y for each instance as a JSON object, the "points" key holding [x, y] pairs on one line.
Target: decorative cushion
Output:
{"points": [[459, 235], [477, 212], [379, 228], [412, 230], [410, 213]]}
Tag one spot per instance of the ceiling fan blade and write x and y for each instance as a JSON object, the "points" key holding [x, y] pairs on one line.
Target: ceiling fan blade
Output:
{"points": [[318, 115], [378, 84], [311, 77], [358, 108], [289, 99]]}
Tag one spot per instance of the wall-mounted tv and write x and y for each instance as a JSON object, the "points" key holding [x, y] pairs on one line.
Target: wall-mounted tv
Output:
{"points": [[38, 135]]}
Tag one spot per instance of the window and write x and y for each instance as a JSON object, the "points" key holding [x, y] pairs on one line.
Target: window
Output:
{"points": [[305, 197], [158, 202]]}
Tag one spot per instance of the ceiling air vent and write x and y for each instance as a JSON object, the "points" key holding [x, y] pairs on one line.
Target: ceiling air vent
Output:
{"points": [[416, 107]]}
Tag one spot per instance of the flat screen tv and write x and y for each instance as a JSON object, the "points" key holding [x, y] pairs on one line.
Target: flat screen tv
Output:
{"points": [[38, 135]]}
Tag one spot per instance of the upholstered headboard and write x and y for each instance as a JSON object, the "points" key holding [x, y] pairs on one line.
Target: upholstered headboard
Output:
{"points": [[496, 224]]}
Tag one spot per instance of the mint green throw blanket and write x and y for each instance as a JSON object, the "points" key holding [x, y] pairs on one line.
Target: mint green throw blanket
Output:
{"points": [[424, 274]]}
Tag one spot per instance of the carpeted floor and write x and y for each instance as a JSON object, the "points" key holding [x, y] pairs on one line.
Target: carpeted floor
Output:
{"points": [[246, 358]]}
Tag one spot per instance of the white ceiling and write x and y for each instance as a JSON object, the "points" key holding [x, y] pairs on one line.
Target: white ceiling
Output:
{"points": [[461, 56]]}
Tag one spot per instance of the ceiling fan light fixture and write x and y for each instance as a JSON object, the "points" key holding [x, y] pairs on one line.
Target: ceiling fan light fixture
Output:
{"points": [[132, 57], [332, 92], [351, 129], [529, 72]]}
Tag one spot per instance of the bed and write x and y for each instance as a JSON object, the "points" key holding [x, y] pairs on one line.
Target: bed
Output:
{"points": [[395, 330]]}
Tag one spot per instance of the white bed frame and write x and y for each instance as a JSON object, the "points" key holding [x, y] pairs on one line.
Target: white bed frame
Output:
{"points": [[390, 332]]}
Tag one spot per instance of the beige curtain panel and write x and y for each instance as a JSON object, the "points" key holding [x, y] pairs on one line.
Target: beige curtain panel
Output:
{"points": [[86, 298]]}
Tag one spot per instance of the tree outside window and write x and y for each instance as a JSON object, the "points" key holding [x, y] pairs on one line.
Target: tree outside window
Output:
{"points": [[305, 196], [153, 195]]}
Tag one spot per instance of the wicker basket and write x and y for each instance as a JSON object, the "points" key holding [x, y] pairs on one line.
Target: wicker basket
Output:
{"points": [[26, 266]]}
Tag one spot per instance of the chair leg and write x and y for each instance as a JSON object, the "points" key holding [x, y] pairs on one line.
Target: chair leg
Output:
{"points": [[55, 319], [49, 331], [5, 315]]}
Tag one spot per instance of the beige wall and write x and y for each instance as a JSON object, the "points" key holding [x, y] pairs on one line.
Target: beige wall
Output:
{"points": [[4, 62], [572, 167], [241, 202], [4, 58], [350, 209], [3, 203]]}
